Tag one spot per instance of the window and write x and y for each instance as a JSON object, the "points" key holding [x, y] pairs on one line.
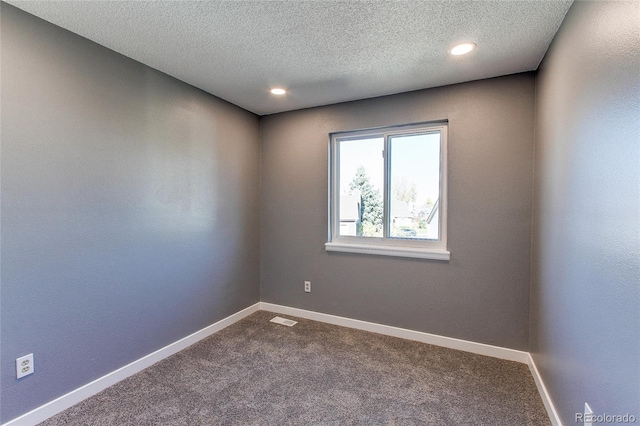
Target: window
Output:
{"points": [[388, 191]]}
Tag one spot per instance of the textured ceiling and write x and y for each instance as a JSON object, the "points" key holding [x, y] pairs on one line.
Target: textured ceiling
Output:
{"points": [[323, 52]]}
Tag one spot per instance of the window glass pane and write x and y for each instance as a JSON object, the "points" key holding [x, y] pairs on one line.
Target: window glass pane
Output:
{"points": [[415, 186], [361, 185]]}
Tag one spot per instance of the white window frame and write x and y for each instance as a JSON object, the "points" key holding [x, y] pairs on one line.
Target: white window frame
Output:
{"points": [[387, 246]]}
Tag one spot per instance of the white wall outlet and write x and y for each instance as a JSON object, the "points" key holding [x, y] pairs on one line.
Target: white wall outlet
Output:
{"points": [[24, 366], [588, 415], [307, 286]]}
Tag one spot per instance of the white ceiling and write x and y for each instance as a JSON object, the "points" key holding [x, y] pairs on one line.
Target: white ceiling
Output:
{"points": [[323, 52]]}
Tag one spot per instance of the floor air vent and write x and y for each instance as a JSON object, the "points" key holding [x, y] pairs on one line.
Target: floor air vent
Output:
{"points": [[284, 321]]}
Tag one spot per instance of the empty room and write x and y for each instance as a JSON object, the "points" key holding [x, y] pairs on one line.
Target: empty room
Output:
{"points": [[319, 212]]}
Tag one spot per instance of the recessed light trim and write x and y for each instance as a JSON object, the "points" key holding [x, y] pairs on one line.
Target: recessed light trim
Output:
{"points": [[278, 91], [462, 48]]}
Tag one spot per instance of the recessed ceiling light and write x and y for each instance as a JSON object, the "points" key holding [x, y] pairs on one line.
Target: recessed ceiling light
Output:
{"points": [[278, 91], [463, 48]]}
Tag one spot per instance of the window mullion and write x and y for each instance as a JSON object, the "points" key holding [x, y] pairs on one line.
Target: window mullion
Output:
{"points": [[386, 214]]}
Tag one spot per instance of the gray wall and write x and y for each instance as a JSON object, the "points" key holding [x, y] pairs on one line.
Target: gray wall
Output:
{"points": [[130, 210], [482, 294], [585, 304]]}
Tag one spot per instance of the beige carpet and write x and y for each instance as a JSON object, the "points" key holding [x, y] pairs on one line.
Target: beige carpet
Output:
{"points": [[259, 373]]}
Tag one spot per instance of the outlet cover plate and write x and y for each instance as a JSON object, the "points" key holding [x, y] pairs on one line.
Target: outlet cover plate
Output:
{"points": [[588, 415], [24, 366]]}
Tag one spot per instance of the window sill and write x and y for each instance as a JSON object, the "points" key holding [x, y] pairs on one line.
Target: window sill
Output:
{"points": [[388, 250]]}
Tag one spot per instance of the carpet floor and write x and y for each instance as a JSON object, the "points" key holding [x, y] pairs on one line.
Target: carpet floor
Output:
{"points": [[259, 373]]}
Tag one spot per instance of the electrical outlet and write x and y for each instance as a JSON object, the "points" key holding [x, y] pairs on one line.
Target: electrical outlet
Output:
{"points": [[307, 286], [24, 366], [588, 415]]}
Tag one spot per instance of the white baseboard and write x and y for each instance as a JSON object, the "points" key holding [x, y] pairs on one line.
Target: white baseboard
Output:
{"points": [[65, 401], [542, 390], [418, 336], [54, 407], [434, 339]]}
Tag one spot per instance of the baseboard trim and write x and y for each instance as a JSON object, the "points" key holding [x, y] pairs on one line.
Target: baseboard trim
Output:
{"points": [[418, 336], [542, 390], [54, 407]]}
